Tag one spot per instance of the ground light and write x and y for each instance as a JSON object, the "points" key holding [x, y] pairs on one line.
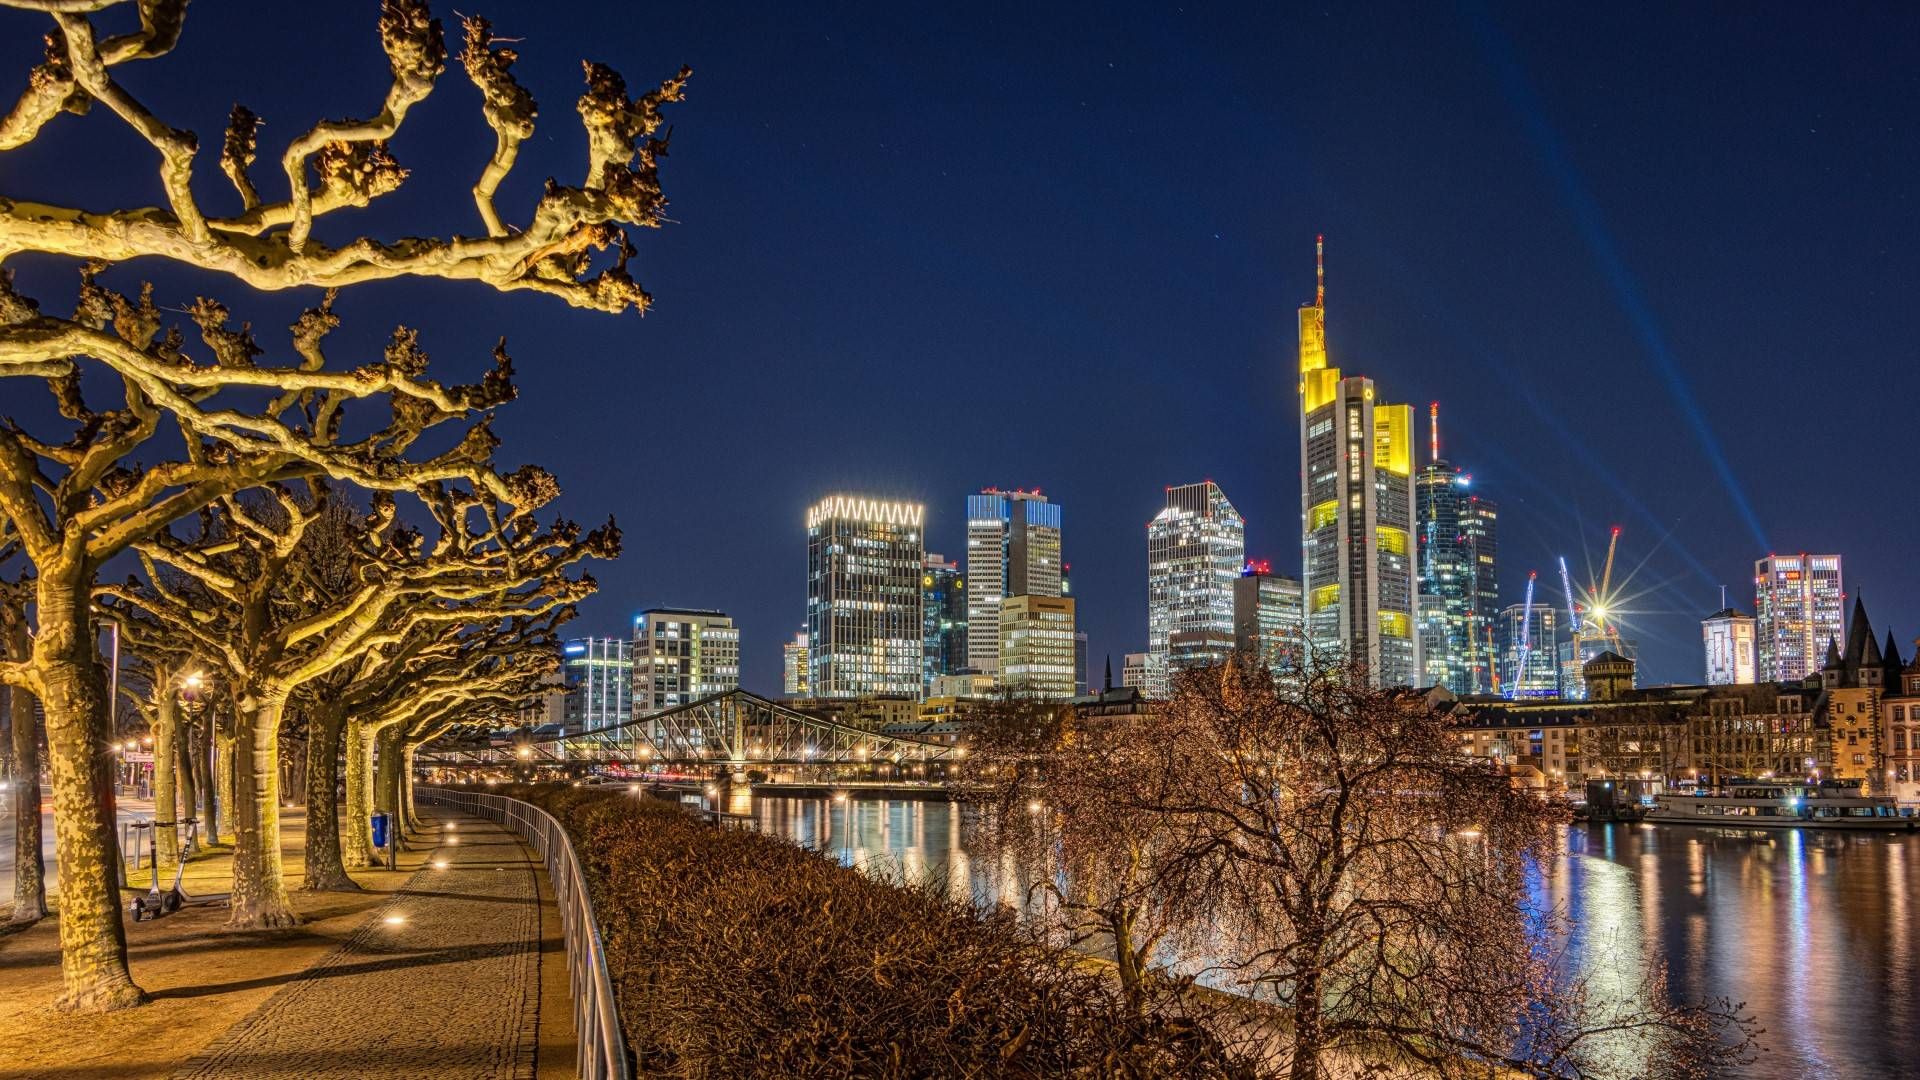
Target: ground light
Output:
{"points": [[395, 920]]}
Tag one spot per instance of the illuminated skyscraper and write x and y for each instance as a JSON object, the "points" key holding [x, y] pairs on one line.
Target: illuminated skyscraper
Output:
{"points": [[1195, 548], [1459, 583], [682, 655], [943, 605], [1037, 651], [1357, 517], [1013, 549], [793, 663], [1266, 617], [864, 624], [1729, 638], [1797, 604], [597, 673]]}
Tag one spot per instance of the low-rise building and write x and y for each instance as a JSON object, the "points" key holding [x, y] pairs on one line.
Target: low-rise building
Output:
{"points": [[1670, 734]]}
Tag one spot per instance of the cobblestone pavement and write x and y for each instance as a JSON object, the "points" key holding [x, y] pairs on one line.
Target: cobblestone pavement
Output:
{"points": [[442, 982]]}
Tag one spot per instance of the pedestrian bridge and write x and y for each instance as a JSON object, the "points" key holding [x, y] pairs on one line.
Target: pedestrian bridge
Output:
{"points": [[737, 729]]}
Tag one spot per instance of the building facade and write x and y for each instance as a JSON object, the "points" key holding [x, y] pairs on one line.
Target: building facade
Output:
{"points": [[1357, 514], [1728, 636], [1038, 653], [864, 620], [1672, 735], [598, 675], [1267, 618], [1857, 679], [1133, 671], [1529, 651], [1013, 549], [793, 666], [1797, 608], [1195, 549], [943, 608], [681, 655]]}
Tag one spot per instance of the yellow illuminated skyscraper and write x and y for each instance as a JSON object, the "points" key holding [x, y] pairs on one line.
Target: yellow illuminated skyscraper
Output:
{"points": [[1356, 511]]}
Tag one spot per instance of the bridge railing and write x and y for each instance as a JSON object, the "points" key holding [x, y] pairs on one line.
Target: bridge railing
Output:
{"points": [[596, 1016]]}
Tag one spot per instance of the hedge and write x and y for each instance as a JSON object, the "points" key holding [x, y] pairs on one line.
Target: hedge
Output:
{"points": [[736, 954]]}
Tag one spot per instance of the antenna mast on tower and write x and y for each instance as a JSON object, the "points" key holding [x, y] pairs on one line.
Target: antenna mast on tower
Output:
{"points": [[1433, 430], [1320, 271]]}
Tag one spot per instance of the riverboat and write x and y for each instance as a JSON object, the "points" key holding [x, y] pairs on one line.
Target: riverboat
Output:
{"points": [[1775, 805]]}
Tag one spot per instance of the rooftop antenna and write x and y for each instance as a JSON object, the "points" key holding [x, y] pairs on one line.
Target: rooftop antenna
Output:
{"points": [[1433, 430], [1723, 598], [1320, 271]]}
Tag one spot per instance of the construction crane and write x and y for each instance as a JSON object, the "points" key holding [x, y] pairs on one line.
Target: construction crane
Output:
{"points": [[1573, 605], [1604, 597], [1526, 636]]}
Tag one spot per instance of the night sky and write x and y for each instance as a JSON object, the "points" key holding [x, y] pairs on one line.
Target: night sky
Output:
{"points": [[1659, 268]]}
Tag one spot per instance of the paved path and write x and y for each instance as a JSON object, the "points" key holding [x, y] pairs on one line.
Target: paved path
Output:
{"points": [[442, 982]]}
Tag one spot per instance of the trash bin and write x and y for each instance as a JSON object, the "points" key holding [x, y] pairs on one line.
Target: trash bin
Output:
{"points": [[379, 831]]}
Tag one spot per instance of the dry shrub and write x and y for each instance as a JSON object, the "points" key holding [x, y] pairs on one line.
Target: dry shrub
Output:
{"points": [[736, 954]]}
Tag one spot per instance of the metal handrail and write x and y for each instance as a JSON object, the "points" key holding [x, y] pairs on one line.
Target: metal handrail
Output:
{"points": [[596, 1016]]}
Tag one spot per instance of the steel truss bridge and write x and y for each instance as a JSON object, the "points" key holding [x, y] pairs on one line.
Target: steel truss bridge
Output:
{"points": [[736, 729]]}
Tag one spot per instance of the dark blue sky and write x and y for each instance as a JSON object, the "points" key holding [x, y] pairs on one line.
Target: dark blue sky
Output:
{"points": [[1658, 266]]}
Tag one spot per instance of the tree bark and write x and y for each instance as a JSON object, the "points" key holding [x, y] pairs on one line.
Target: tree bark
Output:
{"points": [[29, 857], [359, 847], [1307, 1032], [325, 870], [185, 774], [166, 806], [223, 816], [406, 786], [93, 942], [387, 785], [259, 884]]}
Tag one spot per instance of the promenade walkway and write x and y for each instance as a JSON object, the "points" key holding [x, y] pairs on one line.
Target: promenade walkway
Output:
{"points": [[442, 981]]}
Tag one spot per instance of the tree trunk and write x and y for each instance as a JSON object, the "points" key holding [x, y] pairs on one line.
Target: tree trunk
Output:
{"points": [[93, 943], [359, 847], [406, 786], [259, 883], [29, 859], [223, 818], [166, 806], [1307, 1030], [324, 867], [387, 785], [184, 772], [205, 777]]}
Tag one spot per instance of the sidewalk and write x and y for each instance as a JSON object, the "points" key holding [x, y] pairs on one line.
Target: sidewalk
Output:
{"points": [[470, 982], [441, 981]]}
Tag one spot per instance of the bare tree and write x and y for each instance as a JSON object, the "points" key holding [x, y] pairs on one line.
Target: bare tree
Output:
{"points": [[1375, 885], [1077, 800], [345, 163], [487, 564], [77, 500]]}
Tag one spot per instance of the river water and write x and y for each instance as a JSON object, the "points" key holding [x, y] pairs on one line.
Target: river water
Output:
{"points": [[1814, 930]]}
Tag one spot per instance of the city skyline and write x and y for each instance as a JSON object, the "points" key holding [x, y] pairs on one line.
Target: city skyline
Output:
{"points": [[1582, 300]]}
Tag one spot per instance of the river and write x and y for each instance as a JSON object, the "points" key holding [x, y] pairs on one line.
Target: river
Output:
{"points": [[1814, 930]]}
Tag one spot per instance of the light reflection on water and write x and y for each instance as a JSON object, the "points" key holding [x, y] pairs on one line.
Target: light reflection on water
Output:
{"points": [[1812, 929]]}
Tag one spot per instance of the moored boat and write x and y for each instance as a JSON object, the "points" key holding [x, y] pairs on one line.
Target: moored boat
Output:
{"points": [[1777, 805]]}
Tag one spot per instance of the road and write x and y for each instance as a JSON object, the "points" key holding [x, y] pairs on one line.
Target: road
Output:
{"points": [[130, 809]]}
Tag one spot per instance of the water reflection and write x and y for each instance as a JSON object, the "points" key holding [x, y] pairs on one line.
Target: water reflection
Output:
{"points": [[1813, 930]]}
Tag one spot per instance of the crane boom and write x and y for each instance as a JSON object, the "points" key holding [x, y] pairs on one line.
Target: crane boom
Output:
{"points": [[1526, 637], [1606, 576], [1573, 608]]}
